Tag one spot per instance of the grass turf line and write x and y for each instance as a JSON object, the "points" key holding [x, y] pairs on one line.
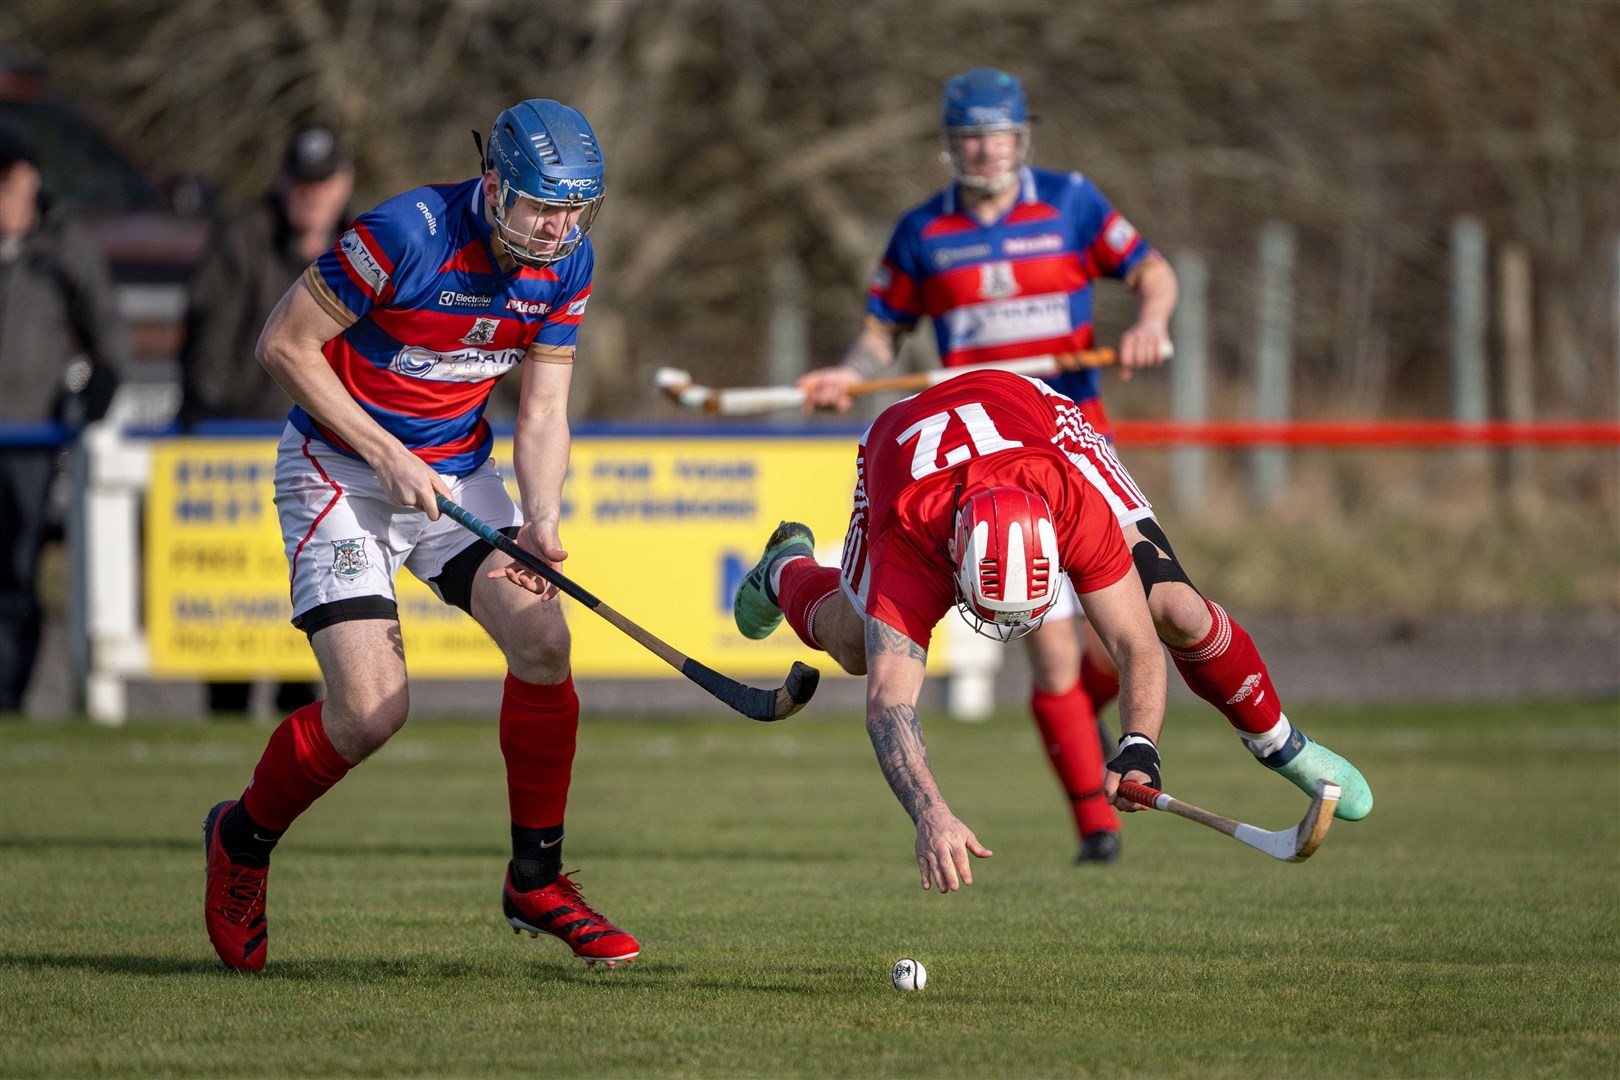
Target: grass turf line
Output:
{"points": [[1469, 926]]}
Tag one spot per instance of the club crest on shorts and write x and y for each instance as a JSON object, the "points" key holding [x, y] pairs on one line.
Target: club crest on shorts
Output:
{"points": [[349, 557], [482, 332]]}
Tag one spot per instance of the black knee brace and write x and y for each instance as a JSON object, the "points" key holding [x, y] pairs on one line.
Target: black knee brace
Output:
{"points": [[1153, 567]]}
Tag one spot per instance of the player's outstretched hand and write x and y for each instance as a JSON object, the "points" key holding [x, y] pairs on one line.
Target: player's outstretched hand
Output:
{"points": [[409, 481], [943, 847], [828, 388], [540, 539]]}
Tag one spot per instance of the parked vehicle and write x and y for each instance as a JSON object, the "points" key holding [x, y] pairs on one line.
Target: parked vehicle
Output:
{"points": [[152, 233]]}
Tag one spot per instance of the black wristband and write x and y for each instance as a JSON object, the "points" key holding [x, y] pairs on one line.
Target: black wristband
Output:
{"points": [[1137, 754]]}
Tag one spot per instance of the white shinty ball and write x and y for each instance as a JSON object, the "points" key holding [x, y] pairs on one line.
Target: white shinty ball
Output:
{"points": [[909, 975]]}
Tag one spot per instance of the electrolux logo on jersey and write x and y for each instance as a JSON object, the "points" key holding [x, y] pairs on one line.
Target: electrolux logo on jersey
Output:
{"points": [[433, 222], [946, 256], [527, 307], [451, 298]]}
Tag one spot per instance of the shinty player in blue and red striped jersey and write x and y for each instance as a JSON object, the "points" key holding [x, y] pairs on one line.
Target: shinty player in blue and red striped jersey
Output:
{"points": [[389, 346], [1002, 263]]}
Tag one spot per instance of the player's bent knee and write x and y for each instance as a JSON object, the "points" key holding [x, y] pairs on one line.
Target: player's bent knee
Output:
{"points": [[360, 719], [853, 661], [1179, 614], [537, 648]]}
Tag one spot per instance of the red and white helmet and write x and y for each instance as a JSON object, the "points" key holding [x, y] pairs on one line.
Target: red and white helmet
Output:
{"points": [[1006, 554]]}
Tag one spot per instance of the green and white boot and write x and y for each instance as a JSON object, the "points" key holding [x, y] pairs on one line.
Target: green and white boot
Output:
{"points": [[755, 607], [1304, 761]]}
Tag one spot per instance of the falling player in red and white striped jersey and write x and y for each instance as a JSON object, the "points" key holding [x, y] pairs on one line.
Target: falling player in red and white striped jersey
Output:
{"points": [[927, 470]]}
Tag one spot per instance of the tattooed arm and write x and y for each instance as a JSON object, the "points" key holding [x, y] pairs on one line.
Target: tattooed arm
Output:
{"points": [[894, 665]]}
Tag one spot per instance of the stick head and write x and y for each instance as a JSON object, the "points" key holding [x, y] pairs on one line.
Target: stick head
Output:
{"points": [[800, 687], [672, 381], [1313, 829]]}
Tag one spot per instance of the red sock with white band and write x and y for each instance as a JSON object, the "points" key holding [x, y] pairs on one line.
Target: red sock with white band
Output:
{"points": [[804, 585], [1225, 670]]}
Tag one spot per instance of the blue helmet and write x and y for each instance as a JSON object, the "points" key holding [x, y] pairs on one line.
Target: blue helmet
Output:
{"points": [[980, 102], [548, 162]]}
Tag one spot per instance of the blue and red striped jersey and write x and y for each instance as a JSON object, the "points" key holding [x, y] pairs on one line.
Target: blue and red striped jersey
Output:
{"points": [[436, 320], [1018, 288]]}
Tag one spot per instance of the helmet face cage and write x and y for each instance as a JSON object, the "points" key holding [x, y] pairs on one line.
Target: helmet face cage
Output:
{"points": [[548, 162], [524, 243], [1006, 553], [986, 185], [983, 102]]}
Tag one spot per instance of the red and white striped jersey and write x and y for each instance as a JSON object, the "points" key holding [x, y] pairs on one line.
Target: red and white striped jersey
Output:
{"points": [[925, 454]]}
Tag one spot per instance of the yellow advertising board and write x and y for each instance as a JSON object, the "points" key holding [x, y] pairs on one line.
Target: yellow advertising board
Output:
{"points": [[661, 528]]}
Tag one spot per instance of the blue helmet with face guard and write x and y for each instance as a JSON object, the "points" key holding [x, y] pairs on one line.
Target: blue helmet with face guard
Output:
{"points": [[982, 102], [552, 180]]}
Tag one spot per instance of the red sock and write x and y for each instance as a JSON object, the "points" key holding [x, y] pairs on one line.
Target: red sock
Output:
{"points": [[1225, 670], [806, 585], [539, 727], [1069, 733], [297, 767], [1100, 683]]}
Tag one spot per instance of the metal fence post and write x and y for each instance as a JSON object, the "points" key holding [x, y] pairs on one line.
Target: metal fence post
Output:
{"points": [[1273, 376], [787, 348], [1189, 377], [1469, 396], [1518, 358]]}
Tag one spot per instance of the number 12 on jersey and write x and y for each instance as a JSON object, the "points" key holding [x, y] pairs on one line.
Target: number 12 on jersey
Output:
{"points": [[982, 439]]}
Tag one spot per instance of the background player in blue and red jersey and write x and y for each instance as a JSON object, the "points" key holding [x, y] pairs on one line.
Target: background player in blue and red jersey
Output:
{"points": [[389, 346], [1002, 263]]}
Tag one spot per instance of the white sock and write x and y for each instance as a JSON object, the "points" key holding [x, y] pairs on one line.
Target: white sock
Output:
{"points": [[773, 576], [1268, 743]]}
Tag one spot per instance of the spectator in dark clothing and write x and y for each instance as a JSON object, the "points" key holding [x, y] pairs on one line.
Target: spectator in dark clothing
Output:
{"points": [[62, 348], [251, 259]]}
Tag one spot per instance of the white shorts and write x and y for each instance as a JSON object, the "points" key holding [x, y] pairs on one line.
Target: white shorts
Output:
{"points": [[345, 540], [1096, 461]]}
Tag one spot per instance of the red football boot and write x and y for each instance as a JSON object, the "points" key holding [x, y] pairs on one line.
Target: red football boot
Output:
{"points": [[560, 910], [233, 901]]}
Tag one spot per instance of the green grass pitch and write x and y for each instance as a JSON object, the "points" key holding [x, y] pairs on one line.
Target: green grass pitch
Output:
{"points": [[1469, 927]]}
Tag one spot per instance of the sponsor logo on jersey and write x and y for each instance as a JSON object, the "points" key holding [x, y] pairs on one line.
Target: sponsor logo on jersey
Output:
{"points": [[451, 298], [482, 332], [364, 262], [1004, 322], [881, 279], [1032, 245], [578, 306], [427, 215], [1120, 236], [996, 281], [463, 365], [948, 256], [527, 307], [349, 557]]}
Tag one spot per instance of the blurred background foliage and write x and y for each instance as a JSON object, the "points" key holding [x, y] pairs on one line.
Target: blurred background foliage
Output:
{"points": [[740, 133], [739, 129]]}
